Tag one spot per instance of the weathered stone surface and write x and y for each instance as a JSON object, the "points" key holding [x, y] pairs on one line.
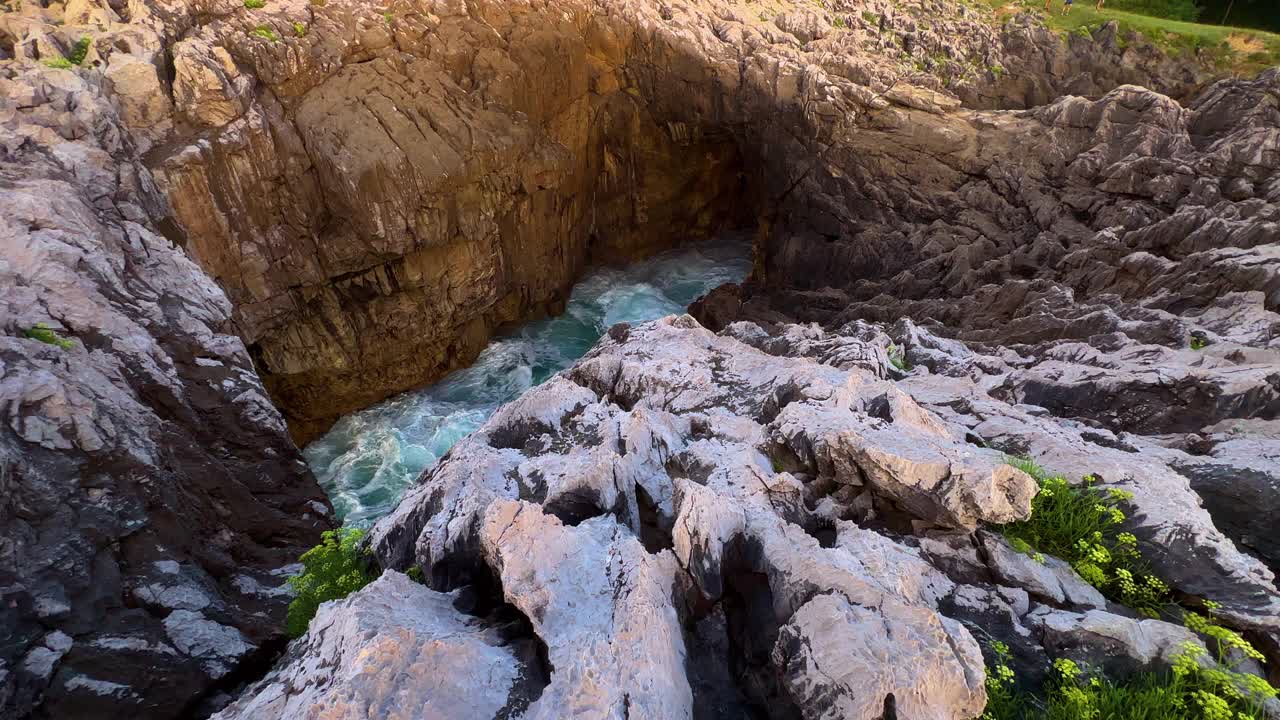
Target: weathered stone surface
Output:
{"points": [[837, 666], [685, 520], [665, 436], [147, 484], [396, 646], [456, 166], [1047, 578]]}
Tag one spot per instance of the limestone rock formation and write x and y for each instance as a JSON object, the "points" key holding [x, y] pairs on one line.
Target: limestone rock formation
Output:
{"points": [[221, 210], [621, 505], [456, 166], [362, 648], [707, 529], [151, 501]]}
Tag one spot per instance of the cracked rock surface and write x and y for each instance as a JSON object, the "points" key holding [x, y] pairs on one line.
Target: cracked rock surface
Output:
{"points": [[312, 205], [151, 501], [707, 529]]}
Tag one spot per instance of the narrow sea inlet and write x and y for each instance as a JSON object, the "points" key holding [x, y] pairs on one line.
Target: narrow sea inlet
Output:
{"points": [[368, 458]]}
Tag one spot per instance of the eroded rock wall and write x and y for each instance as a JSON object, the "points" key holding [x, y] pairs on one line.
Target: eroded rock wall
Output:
{"points": [[380, 194], [379, 189], [151, 501]]}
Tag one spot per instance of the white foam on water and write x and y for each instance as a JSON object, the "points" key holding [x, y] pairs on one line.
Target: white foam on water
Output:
{"points": [[369, 457]]}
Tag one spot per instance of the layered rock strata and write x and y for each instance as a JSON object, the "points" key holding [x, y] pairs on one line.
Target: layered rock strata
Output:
{"points": [[378, 188], [346, 171]]}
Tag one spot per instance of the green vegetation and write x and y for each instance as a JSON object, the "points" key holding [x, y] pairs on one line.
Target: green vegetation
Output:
{"points": [[255, 4], [40, 331], [265, 33], [299, 29], [897, 357], [1189, 691], [1184, 10], [80, 50], [1198, 342], [59, 63], [415, 574], [1082, 526], [871, 17], [388, 16], [1233, 48], [1259, 14], [332, 570], [839, 23]]}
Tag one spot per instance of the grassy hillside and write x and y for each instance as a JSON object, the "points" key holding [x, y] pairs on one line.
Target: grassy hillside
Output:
{"points": [[1231, 48]]}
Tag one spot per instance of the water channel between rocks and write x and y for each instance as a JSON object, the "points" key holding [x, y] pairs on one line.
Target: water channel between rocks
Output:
{"points": [[369, 457]]}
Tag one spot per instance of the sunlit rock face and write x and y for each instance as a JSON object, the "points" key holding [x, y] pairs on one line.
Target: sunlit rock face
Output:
{"points": [[774, 520], [454, 167], [227, 218]]}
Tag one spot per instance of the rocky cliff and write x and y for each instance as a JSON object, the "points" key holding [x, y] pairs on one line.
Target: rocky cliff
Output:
{"points": [[345, 170], [151, 501], [324, 203]]}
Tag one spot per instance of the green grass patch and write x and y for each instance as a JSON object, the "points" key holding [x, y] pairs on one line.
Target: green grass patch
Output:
{"points": [[1235, 48], [299, 29], [40, 331], [265, 33], [897, 355], [331, 570], [255, 4], [1186, 692], [1082, 525], [59, 63], [80, 50]]}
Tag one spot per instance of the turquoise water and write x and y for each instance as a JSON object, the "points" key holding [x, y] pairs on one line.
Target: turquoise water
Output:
{"points": [[369, 457]]}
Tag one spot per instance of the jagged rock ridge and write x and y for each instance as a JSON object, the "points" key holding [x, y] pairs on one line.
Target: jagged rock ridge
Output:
{"points": [[455, 165], [151, 501], [695, 527]]}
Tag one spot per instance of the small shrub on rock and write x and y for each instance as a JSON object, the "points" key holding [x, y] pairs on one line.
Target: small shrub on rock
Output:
{"points": [[332, 570], [255, 4], [1082, 525], [265, 33], [898, 357], [80, 50], [42, 332], [60, 63], [1189, 691], [299, 29]]}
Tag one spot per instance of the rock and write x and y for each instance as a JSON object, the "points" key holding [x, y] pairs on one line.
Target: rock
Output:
{"points": [[374, 649], [847, 661], [224, 210], [141, 463], [1047, 578], [675, 498], [468, 195], [1239, 481], [1118, 644], [601, 604]]}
